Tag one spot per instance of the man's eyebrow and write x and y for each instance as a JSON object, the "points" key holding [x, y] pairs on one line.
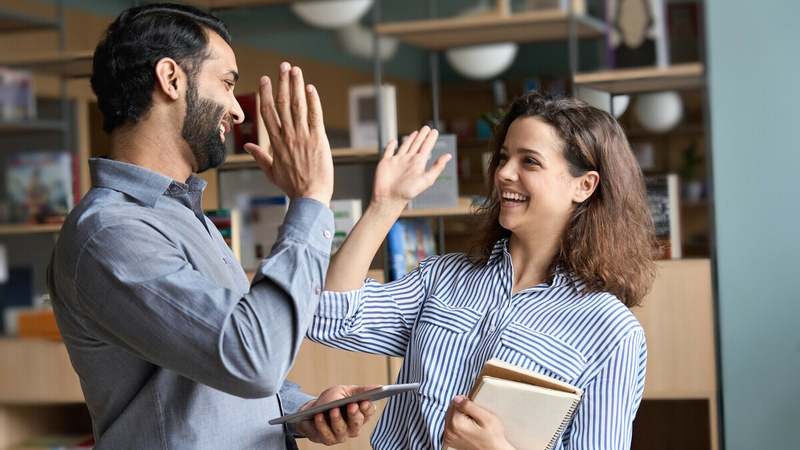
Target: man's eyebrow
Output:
{"points": [[234, 74]]}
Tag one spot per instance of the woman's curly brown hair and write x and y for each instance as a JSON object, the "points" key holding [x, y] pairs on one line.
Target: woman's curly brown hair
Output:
{"points": [[609, 241]]}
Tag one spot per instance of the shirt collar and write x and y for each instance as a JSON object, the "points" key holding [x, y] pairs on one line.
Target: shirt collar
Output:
{"points": [[500, 253], [142, 184]]}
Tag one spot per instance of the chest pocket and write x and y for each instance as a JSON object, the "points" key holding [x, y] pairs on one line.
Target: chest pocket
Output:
{"points": [[548, 352], [455, 319]]}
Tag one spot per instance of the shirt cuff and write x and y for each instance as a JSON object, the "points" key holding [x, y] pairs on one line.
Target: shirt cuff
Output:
{"points": [[291, 400], [310, 221], [338, 305]]}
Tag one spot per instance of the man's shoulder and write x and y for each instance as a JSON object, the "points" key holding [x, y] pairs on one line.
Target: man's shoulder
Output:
{"points": [[101, 209]]}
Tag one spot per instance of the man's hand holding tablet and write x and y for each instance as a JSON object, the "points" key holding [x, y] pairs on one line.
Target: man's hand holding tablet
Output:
{"points": [[348, 408]]}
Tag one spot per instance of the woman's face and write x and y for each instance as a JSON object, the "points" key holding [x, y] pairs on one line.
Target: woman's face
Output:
{"points": [[536, 190]]}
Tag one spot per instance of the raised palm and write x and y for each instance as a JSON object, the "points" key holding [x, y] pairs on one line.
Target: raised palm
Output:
{"points": [[402, 176]]}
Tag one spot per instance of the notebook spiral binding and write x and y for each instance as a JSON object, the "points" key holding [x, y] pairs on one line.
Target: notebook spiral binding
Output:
{"points": [[564, 423]]}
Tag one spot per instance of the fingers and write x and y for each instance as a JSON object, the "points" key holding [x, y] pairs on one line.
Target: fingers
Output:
{"points": [[262, 157], [355, 419], [338, 426], [299, 107], [268, 112], [316, 123], [419, 142], [426, 146], [408, 142], [465, 406], [367, 409], [436, 168], [388, 152], [283, 104]]}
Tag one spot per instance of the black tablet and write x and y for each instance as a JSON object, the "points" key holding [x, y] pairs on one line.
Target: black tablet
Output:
{"points": [[371, 395]]}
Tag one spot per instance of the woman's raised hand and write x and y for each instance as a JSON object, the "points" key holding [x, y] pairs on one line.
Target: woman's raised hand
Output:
{"points": [[401, 176]]}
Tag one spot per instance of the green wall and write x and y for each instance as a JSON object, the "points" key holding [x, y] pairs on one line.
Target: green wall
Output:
{"points": [[754, 68]]}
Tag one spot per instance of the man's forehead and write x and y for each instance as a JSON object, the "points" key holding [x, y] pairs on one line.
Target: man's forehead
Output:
{"points": [[222, 55]]}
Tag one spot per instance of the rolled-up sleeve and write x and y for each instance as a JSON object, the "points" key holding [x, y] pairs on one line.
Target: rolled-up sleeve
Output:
{"points": [[374, 319]]}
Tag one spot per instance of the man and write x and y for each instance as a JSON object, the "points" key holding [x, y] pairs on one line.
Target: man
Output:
{"points": [[174, 348]]}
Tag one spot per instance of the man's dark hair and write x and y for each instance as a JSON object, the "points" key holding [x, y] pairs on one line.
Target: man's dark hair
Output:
{"points": [[123, 72]]}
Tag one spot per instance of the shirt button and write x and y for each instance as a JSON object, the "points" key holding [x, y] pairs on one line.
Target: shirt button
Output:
{"points": [[492, 328], [327, 234], [317, 290]]}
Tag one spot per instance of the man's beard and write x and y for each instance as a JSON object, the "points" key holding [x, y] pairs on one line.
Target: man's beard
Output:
{"points": [[201, 129]]}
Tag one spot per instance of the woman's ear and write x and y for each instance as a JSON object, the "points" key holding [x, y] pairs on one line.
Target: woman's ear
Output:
{"points": [[169, 78], [586, 184]]}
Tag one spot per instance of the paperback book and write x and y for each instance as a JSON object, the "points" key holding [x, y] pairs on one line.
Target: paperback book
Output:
{"points": [[410, 241], [535, 409], [663, 197], [40, 186], [345, 215]]}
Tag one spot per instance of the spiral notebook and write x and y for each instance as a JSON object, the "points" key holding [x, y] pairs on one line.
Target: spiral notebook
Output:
{"points": [[534, 408]]}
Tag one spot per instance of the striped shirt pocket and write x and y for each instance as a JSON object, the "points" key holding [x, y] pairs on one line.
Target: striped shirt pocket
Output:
{"points": [[456, 319], [550, 353]]}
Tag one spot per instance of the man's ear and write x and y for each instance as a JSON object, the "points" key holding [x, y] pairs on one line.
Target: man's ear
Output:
{"points": [[169, 78], [586, 184]]}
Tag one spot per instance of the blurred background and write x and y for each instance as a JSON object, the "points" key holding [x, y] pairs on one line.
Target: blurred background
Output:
{"points": [[704, 88]]}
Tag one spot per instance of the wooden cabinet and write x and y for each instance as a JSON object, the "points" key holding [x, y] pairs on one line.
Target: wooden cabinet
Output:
{"points": [[39, 391], [678, 320]]}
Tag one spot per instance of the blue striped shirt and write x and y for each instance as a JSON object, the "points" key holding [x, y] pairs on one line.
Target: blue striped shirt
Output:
{"points": [[448, 317]]}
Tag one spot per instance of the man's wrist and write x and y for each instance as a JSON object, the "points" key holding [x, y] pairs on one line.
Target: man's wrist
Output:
{"points": [[322, 197]]}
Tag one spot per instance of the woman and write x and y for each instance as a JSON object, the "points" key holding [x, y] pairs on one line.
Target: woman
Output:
{"points": [[566, 246]]}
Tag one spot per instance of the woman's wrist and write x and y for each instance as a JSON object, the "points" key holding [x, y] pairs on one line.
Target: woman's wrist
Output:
{"points": [[387, 207]]}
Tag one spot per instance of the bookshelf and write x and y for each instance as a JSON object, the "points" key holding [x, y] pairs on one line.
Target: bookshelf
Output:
{"points": [[646, 79], [75, 64], [464, 208], [6, 230], [12, 21], [40, 393], [340, 155], [522, 27]]}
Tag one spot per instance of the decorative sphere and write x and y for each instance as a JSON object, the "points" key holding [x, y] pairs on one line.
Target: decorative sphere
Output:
{"points": [[357, 40], [659, 112], [481, 62], [331, 13]]}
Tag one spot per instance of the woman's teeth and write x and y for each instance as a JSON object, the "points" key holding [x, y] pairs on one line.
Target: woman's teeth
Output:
{"points": [[514, 196]]}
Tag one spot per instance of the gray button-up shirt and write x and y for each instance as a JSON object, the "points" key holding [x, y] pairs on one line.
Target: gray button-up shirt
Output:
{"points": [[174, 348]]}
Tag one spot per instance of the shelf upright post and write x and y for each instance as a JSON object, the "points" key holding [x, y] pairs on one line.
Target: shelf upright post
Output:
{"points": [[433, 62], [572, 43], [377, 74], [66, 133]]}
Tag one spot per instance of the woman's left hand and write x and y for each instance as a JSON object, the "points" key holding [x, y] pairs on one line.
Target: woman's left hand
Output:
{"points": [[401, 176], [470, 427]]}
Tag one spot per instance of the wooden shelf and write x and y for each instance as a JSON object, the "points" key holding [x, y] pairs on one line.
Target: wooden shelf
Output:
{"points": [[27, 125], [68, 64], [645, 79], [221, 4], [14, 21], [340, 155], [9, 229], [464, 208], [37, 371], [522, 27]]}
